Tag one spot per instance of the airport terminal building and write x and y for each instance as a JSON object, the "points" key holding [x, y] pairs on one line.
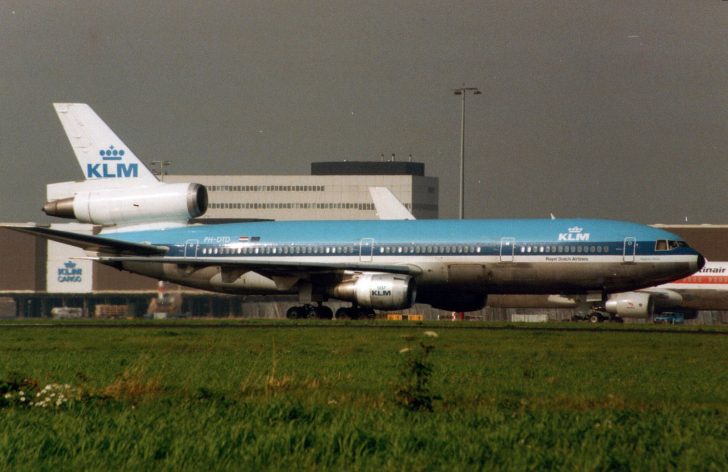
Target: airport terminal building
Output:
{"points": [[333, 191]]}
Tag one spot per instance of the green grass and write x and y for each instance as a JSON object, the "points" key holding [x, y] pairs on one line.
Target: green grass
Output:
{"points": [[303, 396]]}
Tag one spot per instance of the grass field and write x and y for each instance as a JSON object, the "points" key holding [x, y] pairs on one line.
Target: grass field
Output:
{"points": [[296, 396]]}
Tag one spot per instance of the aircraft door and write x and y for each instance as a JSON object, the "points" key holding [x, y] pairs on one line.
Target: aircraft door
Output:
{"points": [[630, 246], [191, 246], [366, 250], [507, 249]]}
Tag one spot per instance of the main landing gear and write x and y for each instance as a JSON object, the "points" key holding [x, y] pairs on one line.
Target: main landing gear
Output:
{"points": [[323, 312], [309, 311], [354, 313]]}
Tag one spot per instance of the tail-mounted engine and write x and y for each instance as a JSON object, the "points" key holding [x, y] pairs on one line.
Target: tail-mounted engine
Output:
{"points": [[164, 202], [379, 291]]}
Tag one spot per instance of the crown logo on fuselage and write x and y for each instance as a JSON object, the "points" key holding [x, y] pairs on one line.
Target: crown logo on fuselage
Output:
{"points": [[575, 233]]}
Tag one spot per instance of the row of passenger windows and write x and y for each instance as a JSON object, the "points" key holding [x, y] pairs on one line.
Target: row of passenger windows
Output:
{"points": [[397, 249], [305, 206], [266, 188], [345, 250], [578, 249], [285, 250]]}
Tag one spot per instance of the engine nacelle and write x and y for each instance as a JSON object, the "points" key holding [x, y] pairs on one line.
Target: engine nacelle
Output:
{"points": [[163, 202], [380, 291], [631, 305]]}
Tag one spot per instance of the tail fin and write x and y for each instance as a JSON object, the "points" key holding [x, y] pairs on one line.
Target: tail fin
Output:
{"points": [[100, 152], [387, 205]]}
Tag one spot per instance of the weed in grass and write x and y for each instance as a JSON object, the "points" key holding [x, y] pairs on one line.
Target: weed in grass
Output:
{"points": [[413, 392], [133, 385]]}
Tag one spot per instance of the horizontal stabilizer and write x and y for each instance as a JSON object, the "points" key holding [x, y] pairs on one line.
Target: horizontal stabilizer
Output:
{"points": [[88, 242]]}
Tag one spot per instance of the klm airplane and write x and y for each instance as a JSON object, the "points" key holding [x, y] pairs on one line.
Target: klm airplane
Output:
{"points": [[140, 225]]}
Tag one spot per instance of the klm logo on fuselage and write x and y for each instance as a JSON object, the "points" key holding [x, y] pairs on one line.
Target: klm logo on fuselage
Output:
{"points": [[575, 233], [112, 166]]}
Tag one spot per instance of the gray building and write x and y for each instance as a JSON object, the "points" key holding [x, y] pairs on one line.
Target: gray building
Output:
{"points": [[333, 191]]}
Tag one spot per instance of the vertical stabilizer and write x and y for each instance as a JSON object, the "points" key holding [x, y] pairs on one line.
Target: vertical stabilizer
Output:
{"points": [[388, 207], [100, 152]]}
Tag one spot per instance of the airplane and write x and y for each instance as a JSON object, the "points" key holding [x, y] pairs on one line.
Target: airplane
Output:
{"points": [[453, 265], [706, 289]]}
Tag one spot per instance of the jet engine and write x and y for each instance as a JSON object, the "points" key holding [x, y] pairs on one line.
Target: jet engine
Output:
{"points": [[164, 202], [631, 305], [380, 291]]}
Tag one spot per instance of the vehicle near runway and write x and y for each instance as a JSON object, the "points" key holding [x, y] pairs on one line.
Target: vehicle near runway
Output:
{"points": [[387, 265], [669, 318]]}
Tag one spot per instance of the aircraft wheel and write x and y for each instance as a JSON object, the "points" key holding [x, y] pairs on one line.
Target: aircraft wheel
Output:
{"points": [[366, 313], [324, 312], [595, 318], [293, 313], [343, 313]]}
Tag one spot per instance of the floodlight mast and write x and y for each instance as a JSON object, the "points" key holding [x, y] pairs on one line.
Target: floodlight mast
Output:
{"points": [[462, 91]]}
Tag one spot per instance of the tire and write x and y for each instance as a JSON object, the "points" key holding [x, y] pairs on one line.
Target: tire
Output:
{"points": [[324, 312], [343, 314], [293, 313], [595, 318]]}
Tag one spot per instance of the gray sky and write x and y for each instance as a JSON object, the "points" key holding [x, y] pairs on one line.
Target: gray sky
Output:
{"points": [[612, 109]]}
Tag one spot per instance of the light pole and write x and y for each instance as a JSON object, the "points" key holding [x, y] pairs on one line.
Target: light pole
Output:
{"points": [[160, 172], [462, 91]]}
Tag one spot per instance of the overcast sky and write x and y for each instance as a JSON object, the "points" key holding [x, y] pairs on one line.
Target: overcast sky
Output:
{"points": [[614, 109]]}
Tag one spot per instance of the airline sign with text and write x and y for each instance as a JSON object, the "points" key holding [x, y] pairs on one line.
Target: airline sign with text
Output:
{"points": [[112, 166], [575, 233]]}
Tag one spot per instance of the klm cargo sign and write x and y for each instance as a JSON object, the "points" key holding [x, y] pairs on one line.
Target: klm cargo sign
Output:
{"points": [[112, 166], [70, 273], [65, 271]]}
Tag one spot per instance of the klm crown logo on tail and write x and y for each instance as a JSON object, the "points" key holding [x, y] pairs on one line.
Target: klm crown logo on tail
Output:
{"points": [[575, 233], [112, 165]]}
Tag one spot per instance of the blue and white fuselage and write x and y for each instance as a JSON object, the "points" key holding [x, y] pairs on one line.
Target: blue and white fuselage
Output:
{"points": [[450, 264]]}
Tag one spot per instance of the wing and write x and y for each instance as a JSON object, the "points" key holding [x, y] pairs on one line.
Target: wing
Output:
{"points": [[88, 242], [114, 251], [268, 266]]}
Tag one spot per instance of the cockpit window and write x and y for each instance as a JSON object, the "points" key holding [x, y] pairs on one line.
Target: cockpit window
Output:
{"points": [[669, 245]]}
